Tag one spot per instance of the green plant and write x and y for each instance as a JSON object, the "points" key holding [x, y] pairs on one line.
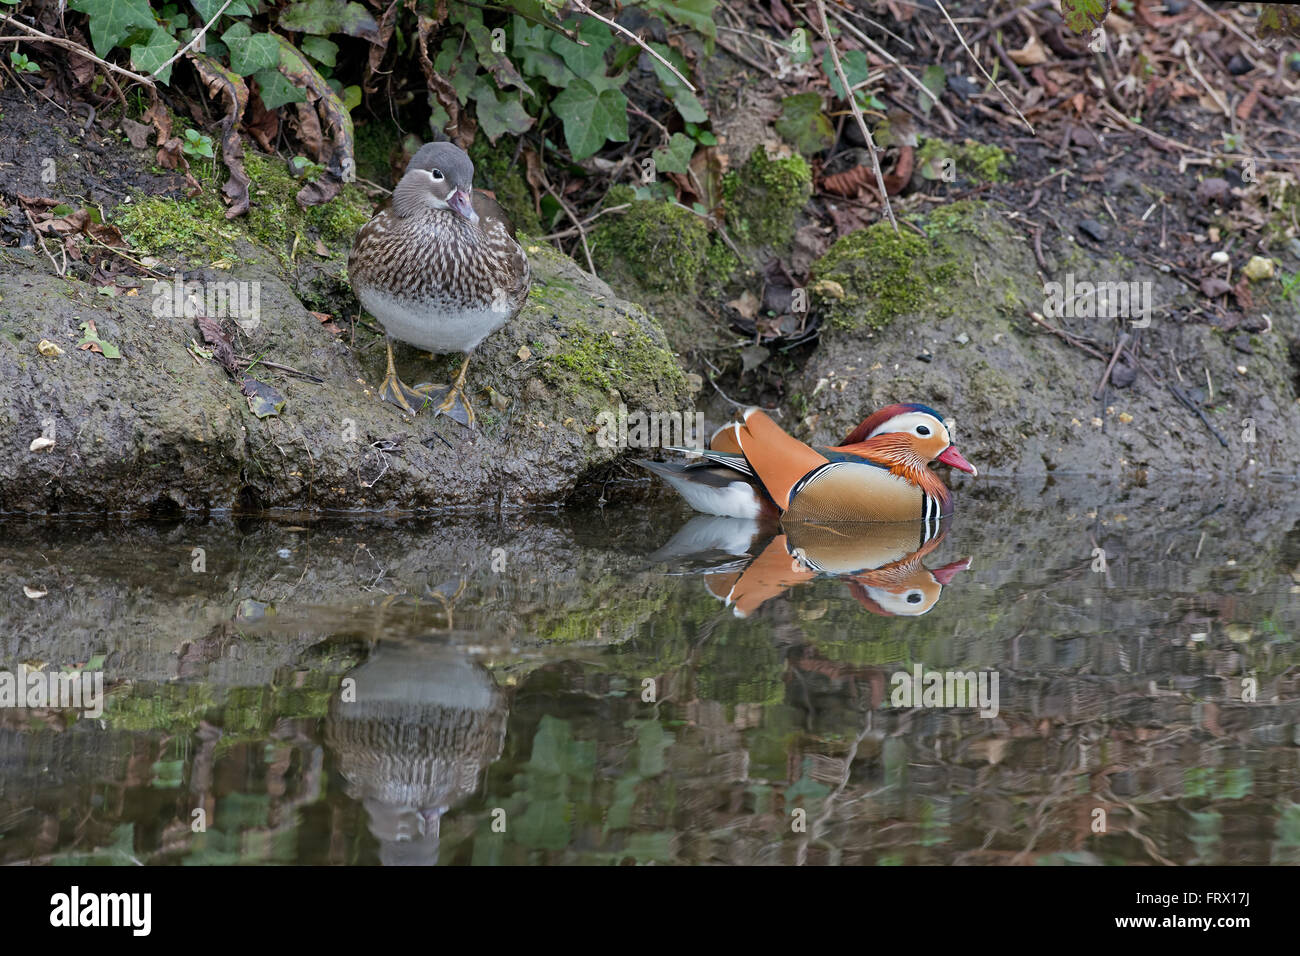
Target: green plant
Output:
{"points": [[22, 64], [197, 144]]}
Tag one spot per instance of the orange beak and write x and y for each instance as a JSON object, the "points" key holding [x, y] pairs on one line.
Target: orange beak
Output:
{"points": [[951, 456]]}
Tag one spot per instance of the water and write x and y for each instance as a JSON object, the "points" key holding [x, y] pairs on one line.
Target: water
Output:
{"points": [[567, 688]]}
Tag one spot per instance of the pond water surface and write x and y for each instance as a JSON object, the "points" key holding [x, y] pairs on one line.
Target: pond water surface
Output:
{"points": [[627, 685]]}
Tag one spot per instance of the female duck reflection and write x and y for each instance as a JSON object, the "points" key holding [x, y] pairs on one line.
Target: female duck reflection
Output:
{"points": [[412, 740], [882, 564]]}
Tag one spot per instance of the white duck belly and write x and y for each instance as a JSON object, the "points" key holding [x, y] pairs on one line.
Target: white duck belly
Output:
{"points": [[433, 325]]}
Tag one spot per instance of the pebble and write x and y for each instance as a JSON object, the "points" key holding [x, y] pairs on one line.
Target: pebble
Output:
{"points": [[1093, 230], [925, 357], [1239, 65], [1219, 258], [1259, 267]]}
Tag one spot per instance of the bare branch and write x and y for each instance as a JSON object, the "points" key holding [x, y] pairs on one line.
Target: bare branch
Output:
{"points": [[824, 28]]}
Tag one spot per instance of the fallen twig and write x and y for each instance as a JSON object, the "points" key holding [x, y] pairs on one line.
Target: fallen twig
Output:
{"points": [[76, 48], [193, 41], [824, 28], [635, 39], [976, 60], [1100, 390]]}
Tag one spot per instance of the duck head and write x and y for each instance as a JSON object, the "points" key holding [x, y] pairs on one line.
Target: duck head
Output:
{"points": [[907, 438], [439, 176]]}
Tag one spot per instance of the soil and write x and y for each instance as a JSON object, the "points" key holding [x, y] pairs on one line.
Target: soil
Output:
{"points": [[1208, 387]]}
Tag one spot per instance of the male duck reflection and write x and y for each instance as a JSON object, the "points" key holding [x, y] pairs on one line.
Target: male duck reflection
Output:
{"points": [[881, 563], [753, 469]]}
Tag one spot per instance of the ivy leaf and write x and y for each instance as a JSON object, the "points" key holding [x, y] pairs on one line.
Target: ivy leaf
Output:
{"points": [[803, 125], [207, 9], [499, 114], [157, 50], [696, 14], [496, 63], [934, 79], [321, 50], [112, 20], [276, 90], [250, 53], [530, 47], [584, 60], [590, 117], [676, 156], [855, 70], [459, 69], [264, 401], [324, 17], [1084, 16], [687, 103]]}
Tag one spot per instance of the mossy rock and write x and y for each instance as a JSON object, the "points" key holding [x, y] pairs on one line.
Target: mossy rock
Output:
{"points": [[981, 162], [159, 226], [871, 276], [660, 246], [764, 196]]}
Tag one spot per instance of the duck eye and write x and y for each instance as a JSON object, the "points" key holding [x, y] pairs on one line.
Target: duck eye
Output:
{"points": [[922, 430], [437, 175], [914, 597]]}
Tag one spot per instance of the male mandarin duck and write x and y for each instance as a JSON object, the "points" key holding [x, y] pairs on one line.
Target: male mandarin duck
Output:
{"points": [[753, 469], [882, 564], [440, 269]]}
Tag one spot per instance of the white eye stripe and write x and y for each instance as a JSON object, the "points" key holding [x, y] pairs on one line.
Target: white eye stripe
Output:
{"points": [[909, 422]]}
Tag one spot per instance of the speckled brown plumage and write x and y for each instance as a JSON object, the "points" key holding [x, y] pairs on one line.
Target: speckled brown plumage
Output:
{"points": [[435, 258], [440, 269]]}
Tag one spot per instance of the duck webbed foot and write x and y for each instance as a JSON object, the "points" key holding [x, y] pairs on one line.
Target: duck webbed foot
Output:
{"points": [[451, 400], [396, 392]]}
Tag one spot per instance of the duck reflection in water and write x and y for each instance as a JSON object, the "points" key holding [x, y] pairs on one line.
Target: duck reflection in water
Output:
{"points": [[753, 561], [413, 742]]}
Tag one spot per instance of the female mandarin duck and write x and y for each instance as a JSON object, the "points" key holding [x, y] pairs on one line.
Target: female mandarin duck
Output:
{"points": [[753, 469], [440, 269]]}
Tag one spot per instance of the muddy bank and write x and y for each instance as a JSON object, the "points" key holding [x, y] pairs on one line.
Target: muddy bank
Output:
{"points": [[163, 428]]}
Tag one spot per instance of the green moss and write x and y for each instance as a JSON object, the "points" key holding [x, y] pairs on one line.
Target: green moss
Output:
{"points": [[493, 171], [763, 197], [978, 161], [661, 246], [871, 276], [375, 144], [955, 218], [880, 274], [603, 360], [157, 225]]}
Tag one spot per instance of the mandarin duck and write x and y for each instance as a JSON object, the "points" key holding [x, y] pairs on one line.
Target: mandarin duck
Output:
{"points": [[881, 563], [753, 469], [440, 269]]}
